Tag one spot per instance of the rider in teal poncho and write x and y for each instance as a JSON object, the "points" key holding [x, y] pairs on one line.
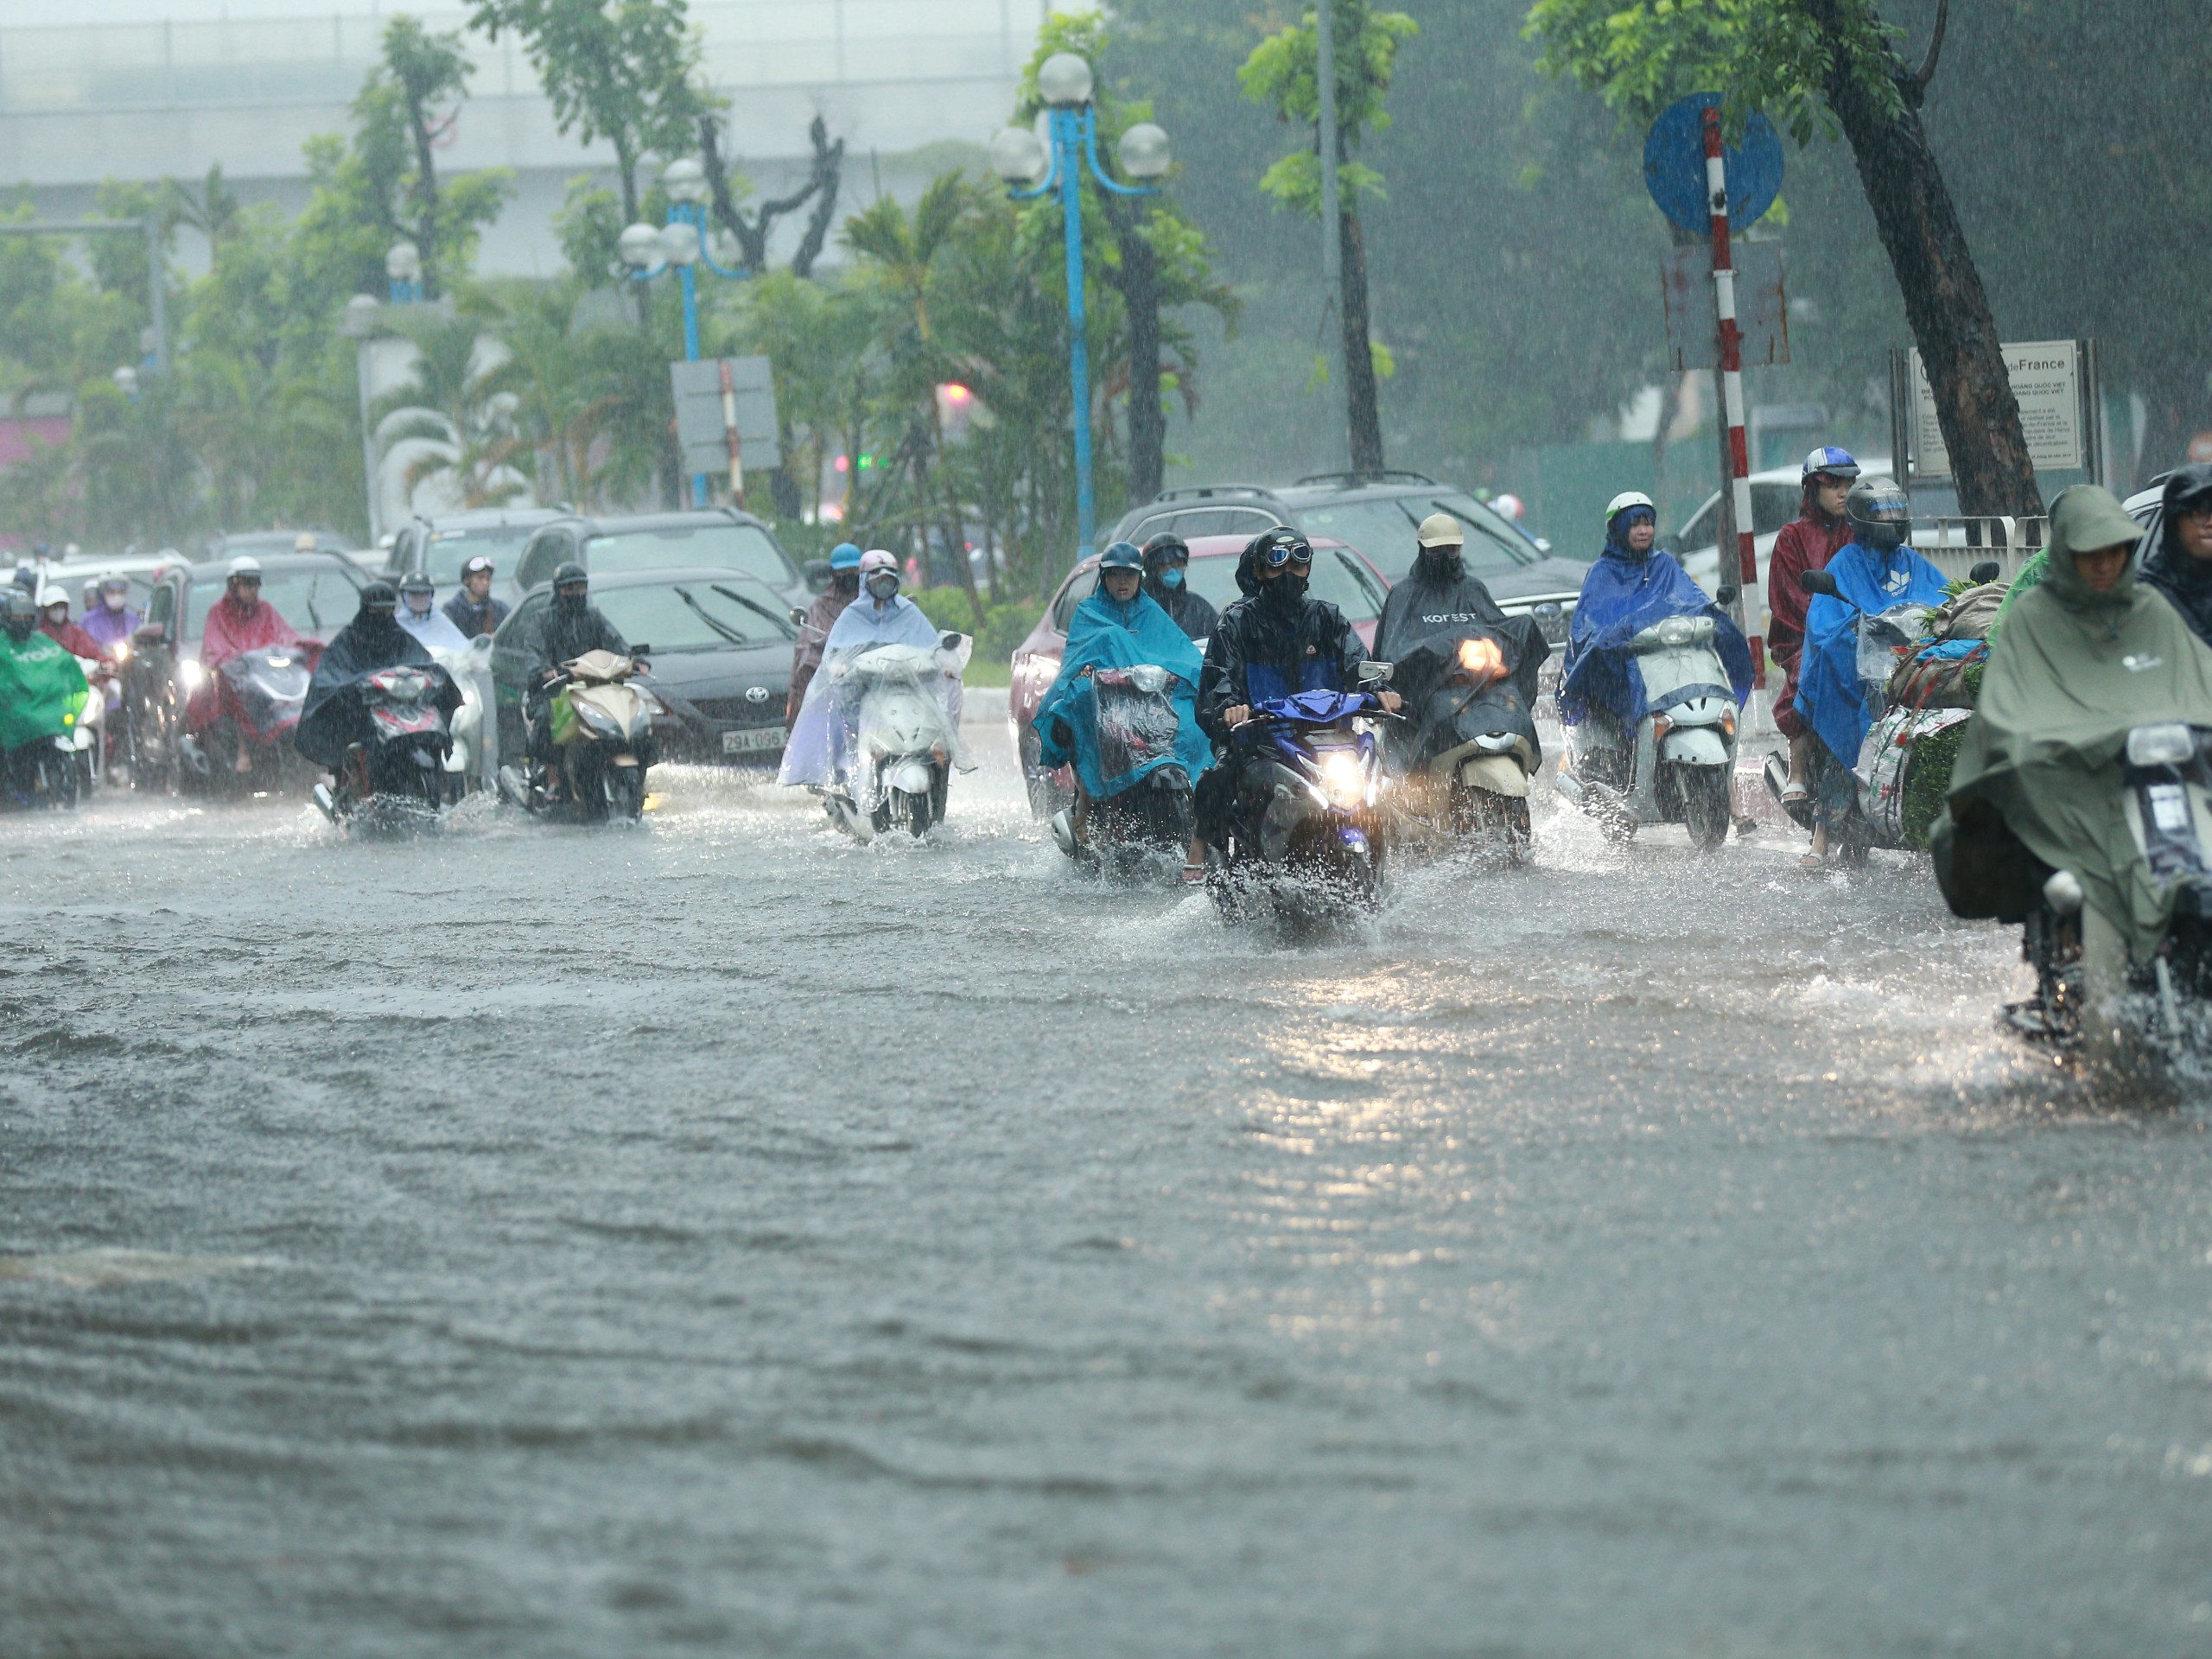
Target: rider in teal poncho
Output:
{"points": [[1120, 627]]}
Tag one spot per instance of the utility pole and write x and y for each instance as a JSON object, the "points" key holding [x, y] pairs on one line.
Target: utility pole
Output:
{"points": [[1333, 252]]}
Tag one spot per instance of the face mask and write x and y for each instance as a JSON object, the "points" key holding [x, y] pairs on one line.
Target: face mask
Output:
{"points": [[882, 587], [570, 601], [1171, 576], [847, 582], [113, 601], [1285, 592]]}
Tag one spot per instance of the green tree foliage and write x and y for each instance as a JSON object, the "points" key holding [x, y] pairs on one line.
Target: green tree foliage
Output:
{"points": [[617, 70]]}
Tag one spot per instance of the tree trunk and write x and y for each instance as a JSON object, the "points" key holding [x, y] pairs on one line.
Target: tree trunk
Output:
{"points": [[426, 187], [1944, 301], [1359, 355], [1138, 281]]}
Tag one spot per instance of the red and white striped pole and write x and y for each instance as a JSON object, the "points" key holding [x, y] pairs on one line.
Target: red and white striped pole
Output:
{"points": [[1731, 391]]}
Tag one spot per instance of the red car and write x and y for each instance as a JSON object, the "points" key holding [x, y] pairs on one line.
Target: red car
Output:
{"points": [[1341, 575]]}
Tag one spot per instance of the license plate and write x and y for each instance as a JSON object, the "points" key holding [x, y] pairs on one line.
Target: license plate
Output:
{"points": [[2169, 807], [751, 742]]}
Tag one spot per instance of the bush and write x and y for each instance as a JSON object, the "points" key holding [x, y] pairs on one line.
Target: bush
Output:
{"points": [[1004, 628]]}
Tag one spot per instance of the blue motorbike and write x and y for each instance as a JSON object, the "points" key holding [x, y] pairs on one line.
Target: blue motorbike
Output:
{"points": [[1307, 833]]}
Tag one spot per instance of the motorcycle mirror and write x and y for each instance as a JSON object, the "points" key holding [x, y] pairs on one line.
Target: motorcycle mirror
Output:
{"points": [[948, 640], [1988, 570], [1725, 596], [1817, 582], [1377, 670], [798, 616]]}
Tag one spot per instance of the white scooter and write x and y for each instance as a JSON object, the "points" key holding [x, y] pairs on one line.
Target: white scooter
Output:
{"points": [[88, 738], [1681, 768], [906, 736], [473, 761]]}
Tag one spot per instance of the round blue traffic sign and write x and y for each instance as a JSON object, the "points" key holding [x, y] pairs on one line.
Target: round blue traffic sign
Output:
{"points": [[1674, 165]]}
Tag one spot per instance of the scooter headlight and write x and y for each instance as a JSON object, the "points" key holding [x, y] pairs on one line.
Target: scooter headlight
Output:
{"points": [[1344, 777], [191, 674], [2169, 744]]}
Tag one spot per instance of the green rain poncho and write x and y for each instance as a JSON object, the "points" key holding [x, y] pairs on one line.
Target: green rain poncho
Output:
{"points": [[41, 689], [2070, 674]]}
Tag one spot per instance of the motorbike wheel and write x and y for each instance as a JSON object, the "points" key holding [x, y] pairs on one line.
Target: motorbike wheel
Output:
{"points": [[586, 788], [1705, 804], [624, 788], [431, 783], [917, 815], [1492, 827]]}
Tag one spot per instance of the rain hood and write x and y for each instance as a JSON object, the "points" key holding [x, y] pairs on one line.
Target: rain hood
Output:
{"points": [[2071, 673], [1108, 634], [1829, 697], [1623, 595]]}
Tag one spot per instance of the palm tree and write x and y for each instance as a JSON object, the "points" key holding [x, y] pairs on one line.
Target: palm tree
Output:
{"points": [[461, 400]]}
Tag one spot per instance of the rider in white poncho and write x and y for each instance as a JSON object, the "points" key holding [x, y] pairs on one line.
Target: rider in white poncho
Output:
{"points": [[820, 748]]}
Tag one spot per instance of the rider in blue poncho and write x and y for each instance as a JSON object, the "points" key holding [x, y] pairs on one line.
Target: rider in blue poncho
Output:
{"points": [[1874, 572], [1120, 626], [1632, 585]]}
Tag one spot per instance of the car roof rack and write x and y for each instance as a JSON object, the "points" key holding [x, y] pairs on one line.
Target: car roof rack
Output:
{"points": [[1386, 475], [1211, 492]]}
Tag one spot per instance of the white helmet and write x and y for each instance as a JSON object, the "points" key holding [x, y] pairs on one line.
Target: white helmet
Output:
{"points": [[52, 593], [1626, 499], [246, 565]]}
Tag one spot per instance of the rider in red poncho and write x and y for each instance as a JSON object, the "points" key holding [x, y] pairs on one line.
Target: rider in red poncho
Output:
{"points": [[239, 621], [53, 622]]}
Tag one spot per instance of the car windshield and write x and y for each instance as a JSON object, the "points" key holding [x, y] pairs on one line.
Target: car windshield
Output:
{"points": [[703, 615], [1336, 578], [1383, 530], [746, 549], [313, 599], [451, 548]]}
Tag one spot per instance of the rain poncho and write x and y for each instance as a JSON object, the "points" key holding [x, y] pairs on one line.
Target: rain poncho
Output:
{"points": [[1106, 634], [825, 750], [868, 621], [2071, 673], [2184, 579], [41, 689], [1623, 594], [1192, 612], [1272, 643], [1427, 616], [329, 722], [231, 629], [111, 628], [436, 630], [813, 637], [1830, 699]]}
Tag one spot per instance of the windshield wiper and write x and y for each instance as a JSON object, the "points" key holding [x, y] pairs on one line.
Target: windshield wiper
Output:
{"points": [[1518, 555], [775, 621], [707, 617], [315, 618]]}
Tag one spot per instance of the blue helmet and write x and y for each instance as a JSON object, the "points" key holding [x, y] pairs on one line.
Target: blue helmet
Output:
{"points": [[846, 556], [1830, 462], [1122, 556]]}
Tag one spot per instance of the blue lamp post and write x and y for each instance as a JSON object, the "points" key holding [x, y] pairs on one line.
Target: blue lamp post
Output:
{"points": [[679, 245], [1019, 158]]}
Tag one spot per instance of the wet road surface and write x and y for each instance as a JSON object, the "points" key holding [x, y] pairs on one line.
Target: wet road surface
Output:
{"points": [[719, 1238]]}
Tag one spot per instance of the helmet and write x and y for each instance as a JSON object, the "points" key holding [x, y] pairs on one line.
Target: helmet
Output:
{"points": [[1440, 530], [1880, 513], [1165, 546], [477, 566], [244, 565], [52, 592], [380, 596], [417, 582], [846, 556], [568, 574], [1511, 505], [1831, 461], [875, 561], [1120, 556], [1279, 547], [1627, 499], [115, 584], [22, 614]]}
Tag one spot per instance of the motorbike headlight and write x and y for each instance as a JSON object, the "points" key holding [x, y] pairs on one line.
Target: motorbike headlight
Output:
{"points": [[2169, 745], [121, 648], [652, 705], [191, 673], [1344, 779]]}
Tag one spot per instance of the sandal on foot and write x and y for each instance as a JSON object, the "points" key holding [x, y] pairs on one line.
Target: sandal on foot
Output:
{"points": [[1793, 793], [1193, 875], [1812, 861]]}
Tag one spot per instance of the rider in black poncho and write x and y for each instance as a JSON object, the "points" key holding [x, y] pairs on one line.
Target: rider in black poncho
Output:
{"points": [[1167, 572], [371, 641]]}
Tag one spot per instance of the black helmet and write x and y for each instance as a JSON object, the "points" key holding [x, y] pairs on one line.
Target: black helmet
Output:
{"points": [[1279, 547], [379, 596], [569, 573], [1120, 556], [417, 582], [1880, 513], [1163, 547], [22, 614]]}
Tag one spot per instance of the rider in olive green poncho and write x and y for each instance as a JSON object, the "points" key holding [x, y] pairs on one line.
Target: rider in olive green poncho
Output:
{"points": [[2070, 673]]}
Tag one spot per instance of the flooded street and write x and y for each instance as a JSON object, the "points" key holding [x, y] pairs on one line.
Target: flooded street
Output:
{"points": [[718, 1238]]}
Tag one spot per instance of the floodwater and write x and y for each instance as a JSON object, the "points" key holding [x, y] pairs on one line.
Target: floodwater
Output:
{"points": [[719, 1238]]}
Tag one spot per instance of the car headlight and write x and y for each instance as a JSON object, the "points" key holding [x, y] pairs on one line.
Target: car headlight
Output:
{"points": [[1344, 777]]}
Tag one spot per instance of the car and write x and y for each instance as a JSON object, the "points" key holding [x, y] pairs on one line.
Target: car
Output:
{"points": [[1376, 514], [720, 644], [1777, 496], [720, 538], [441, 545], [317, 593], [228, 545], [1341, 576]]}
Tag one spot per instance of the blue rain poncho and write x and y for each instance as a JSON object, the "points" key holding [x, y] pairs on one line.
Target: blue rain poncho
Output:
{"points": [[1623, 595], [1106, 634], [1829, 696]]}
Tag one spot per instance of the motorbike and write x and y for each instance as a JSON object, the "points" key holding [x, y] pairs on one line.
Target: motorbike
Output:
{"points": [[468, 762], [263, 691], [396, 768], [2087, 984], [602, 732], [1467, 747], [1308, 832], [88, 739], [1133, 717], [45, 772], [1678, 765], [906, 739]]}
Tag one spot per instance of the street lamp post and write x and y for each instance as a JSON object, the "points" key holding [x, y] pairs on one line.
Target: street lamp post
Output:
{"points": [[403, 264], [679, 245], [1018, 157]]}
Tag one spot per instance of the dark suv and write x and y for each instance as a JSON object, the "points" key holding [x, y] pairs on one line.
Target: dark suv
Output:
{"points": [[441, 545], [1376, 514], [718, 538]]}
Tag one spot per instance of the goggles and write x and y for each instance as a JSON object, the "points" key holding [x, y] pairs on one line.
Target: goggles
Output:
{"points": [[1276, 554]]}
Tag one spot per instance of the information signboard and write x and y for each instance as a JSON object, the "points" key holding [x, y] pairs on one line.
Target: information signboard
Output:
{"points": [[701, 417], [2052, 379]]}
